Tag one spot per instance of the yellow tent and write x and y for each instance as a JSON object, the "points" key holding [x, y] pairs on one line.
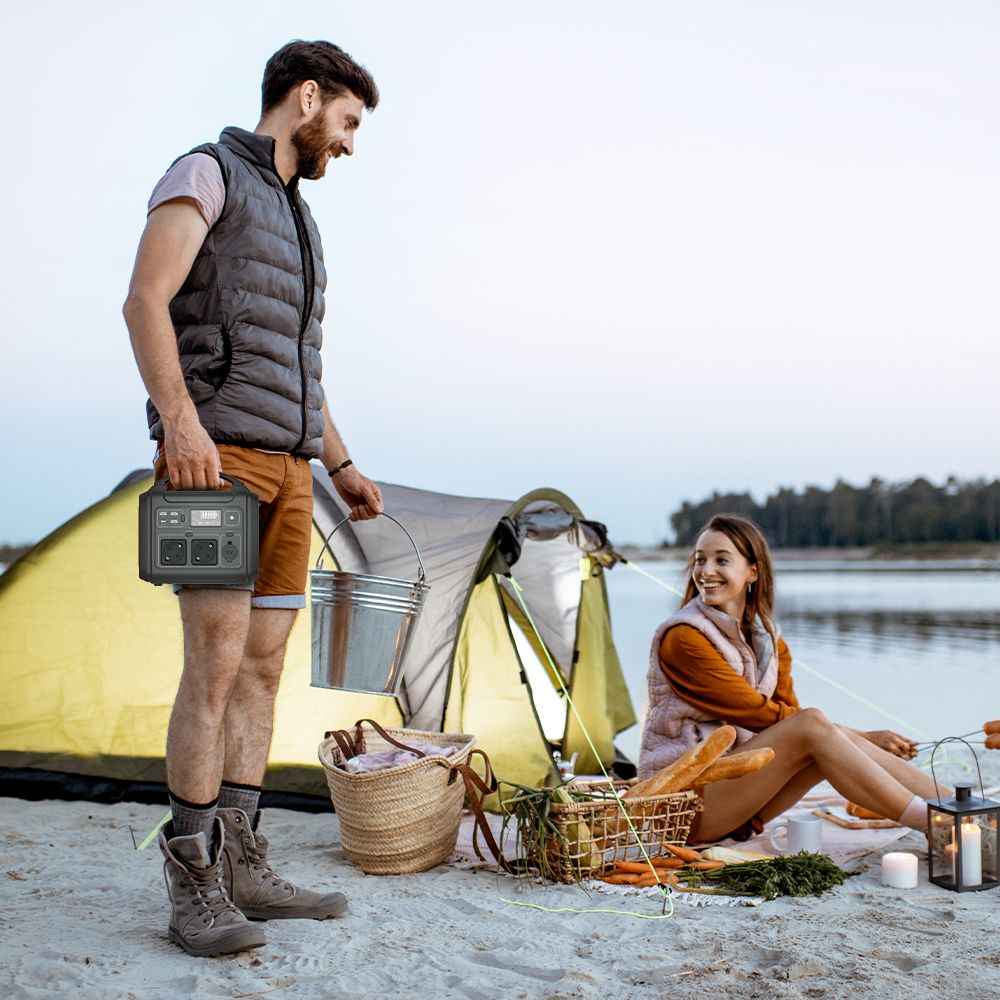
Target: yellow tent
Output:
{"points": [[90, 656]]}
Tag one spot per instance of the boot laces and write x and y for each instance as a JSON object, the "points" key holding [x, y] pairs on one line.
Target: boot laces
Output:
{"points": [[257, 858], [209, 887]]}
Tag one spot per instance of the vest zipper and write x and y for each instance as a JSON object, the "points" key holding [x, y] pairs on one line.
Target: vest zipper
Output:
{"points": [[308, 293]]}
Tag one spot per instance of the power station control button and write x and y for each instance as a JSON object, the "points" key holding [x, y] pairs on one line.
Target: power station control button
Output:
{"points": [[230, 553], [231, 517]]}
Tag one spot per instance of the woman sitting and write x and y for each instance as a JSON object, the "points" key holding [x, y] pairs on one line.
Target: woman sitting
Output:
{"points": [[721, 659]]}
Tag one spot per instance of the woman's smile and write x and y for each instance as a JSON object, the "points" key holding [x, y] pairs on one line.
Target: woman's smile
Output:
{"points": [[721, 574]]}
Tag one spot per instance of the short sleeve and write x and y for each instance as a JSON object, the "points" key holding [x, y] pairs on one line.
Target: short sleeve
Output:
{"points": [[197, 176]]}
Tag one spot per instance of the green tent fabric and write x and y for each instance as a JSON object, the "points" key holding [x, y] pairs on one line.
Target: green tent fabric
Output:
{"points": [[90, 656]]}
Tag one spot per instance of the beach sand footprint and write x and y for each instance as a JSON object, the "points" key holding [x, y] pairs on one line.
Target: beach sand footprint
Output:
{"points": [[551, 974], [901, 960]]}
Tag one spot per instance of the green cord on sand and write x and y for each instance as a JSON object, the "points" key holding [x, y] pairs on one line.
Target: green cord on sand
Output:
{"points": [[151, 836], [593, 749]]}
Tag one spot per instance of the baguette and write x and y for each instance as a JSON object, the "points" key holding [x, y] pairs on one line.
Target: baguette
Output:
{"points": [[992, 728], [686, 769], [735, 765]]}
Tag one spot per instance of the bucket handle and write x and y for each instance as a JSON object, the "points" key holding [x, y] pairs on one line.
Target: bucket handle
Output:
{"points": [[326, 544]]}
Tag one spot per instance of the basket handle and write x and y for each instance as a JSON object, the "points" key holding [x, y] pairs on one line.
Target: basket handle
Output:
{"points": [[345, 742], [360, 739], [353, 744], [477, 789], [421, 576]]}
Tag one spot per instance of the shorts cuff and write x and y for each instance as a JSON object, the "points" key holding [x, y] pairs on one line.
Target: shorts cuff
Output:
{"points": [[293, 601], [178, 587]]}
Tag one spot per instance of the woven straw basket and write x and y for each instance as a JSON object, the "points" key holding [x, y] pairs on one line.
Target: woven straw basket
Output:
{"points": [[401, 820]]}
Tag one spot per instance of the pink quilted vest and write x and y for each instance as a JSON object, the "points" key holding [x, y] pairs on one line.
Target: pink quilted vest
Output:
{"points": [[673, 725]]}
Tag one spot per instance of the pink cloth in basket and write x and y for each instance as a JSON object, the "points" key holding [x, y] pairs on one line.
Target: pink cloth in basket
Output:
{"points": [[365, 763]]}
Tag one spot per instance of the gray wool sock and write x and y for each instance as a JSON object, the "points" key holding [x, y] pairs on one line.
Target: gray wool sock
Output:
{"points": [[245, 797], [190, 818]]}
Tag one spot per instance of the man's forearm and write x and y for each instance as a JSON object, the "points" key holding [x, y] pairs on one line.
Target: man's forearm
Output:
{"points": [[334, 449], [155, 347]]}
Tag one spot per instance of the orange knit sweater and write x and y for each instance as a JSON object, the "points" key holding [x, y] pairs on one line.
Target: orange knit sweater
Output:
{"points": [[699, 674]]}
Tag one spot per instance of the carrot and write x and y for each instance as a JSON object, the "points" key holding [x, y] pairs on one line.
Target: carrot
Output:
{"points": [[620, 878], [636, 867], [684, 853], [647, 880], [708, 866], [662, 861]]}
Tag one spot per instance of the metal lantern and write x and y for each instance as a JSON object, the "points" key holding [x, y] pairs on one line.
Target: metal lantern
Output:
{"points": [[964, 851]]}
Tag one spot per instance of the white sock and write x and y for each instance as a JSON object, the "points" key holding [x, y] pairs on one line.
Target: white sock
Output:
{"points": [[915, 814]]}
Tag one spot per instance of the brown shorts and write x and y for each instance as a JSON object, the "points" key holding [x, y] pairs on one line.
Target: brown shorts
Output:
{"points": [[283, 484]]}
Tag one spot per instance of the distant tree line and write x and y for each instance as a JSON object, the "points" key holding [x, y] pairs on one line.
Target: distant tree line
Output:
{"points": [[881, 512]]}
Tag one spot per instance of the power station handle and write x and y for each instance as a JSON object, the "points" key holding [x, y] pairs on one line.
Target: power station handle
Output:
{"points": [[326, 544], [160, 486]]}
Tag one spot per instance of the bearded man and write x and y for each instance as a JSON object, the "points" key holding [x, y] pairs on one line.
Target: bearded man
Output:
{"points": [[224, 314]]}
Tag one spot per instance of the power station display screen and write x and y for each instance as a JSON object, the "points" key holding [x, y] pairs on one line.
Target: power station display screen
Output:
{"points": [[206, 518]]}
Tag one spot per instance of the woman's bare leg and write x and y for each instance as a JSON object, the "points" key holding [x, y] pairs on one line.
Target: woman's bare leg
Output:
{"points": [[800, 785], [917, 781], [805, 745]]}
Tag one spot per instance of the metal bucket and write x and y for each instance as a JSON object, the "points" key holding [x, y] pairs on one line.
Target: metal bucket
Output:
{"points": [[362, 625]]}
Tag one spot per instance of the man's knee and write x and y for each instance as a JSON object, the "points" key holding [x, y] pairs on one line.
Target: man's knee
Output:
{"points": [[267, 639], [216, 624]]}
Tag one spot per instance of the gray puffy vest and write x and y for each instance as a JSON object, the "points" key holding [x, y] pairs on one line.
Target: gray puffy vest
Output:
{"points": [[248, 316]]}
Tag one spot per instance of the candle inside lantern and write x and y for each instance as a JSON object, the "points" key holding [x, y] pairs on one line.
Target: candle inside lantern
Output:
{"points": [[972, 854], [899, 870]]}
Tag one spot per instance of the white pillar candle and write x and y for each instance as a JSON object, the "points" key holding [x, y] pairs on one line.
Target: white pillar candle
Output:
{"points": [[972, 854], [899, 870]]}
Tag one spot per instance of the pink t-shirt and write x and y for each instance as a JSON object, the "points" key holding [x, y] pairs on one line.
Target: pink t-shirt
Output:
{"points": [[196, 176]]}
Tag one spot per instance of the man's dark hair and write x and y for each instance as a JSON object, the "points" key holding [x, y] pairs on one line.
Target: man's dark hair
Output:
{"points": [[328, 64]]}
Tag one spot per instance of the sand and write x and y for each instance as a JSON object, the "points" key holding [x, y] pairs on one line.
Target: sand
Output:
{"points": [[83, 914]]}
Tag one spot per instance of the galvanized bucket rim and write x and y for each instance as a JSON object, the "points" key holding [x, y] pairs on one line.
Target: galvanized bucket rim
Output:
{"points": [[336, 575]]}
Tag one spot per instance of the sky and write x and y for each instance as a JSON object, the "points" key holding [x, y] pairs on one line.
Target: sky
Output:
{"points": [[633, 251]]}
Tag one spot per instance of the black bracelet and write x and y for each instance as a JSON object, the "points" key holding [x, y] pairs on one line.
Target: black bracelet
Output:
{"points": [[341, 467]]}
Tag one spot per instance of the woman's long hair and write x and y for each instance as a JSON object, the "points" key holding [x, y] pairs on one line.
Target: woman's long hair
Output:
{"points": [[752, 545]]}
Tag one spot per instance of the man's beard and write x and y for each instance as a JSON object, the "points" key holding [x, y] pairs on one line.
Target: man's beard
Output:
{"points": [[312, 143]]}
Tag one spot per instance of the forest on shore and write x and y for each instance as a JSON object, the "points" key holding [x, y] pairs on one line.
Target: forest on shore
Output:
{"points": [[846, 516]]}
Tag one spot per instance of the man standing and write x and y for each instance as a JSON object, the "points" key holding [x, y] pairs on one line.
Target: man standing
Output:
{"points": [[224, 313]]}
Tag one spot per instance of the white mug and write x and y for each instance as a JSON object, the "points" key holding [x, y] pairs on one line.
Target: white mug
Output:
{"points": [[802, 833]]}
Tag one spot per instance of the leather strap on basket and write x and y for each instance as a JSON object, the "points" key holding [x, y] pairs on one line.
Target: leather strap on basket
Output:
{"points": [[389, 739], [351, 745], [477, 789]]}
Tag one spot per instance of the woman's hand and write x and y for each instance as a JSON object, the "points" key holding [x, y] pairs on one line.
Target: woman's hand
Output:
{"points": [[359, 493], [898, 746]]}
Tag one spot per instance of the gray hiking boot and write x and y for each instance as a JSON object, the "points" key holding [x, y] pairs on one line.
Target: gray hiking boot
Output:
{"points": [[203, 920], [253, 885]]}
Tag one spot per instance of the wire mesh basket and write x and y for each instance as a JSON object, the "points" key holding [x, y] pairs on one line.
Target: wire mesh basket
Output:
{"points": [[585, 839]]}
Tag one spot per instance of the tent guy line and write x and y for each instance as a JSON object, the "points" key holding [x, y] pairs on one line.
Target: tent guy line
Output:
{"points": [[665, 890], [799, 663]]}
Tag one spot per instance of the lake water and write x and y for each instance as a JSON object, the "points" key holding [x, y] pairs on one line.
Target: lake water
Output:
{"points": [[921, 643]]}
